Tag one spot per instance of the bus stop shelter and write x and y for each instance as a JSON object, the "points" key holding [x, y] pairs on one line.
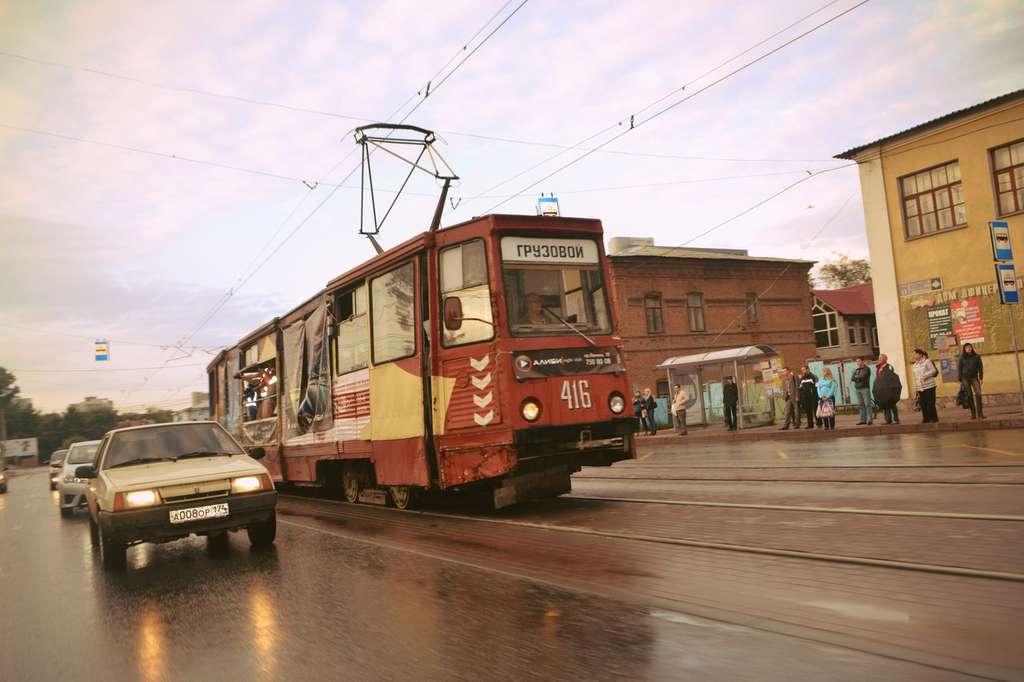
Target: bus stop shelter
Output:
{"points": [[753, 368]]}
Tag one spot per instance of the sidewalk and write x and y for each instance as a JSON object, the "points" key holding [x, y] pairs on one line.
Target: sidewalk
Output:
{"points": [[950, 419]]}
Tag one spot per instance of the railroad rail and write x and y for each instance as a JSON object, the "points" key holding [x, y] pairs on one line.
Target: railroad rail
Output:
{"points": [[690, 542]]}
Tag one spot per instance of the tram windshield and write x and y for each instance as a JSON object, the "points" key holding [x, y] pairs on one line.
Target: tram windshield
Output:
{"points": [[553, 284]]}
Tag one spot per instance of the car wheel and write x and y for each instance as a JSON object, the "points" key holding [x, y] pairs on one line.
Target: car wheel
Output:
{"points": [[263, 533], [218, 542], [53, 486], [94, 532], [351, 484], [3, 488], [66, 512], [114, 554]]}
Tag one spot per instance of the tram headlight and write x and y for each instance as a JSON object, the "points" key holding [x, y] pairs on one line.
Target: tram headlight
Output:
{"points": [[616, 403], [530, 409]]}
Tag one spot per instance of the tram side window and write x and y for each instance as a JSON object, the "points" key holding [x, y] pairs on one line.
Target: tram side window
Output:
{"points": [[259, 381], [393, 309], [464, 276], [352, 344]]}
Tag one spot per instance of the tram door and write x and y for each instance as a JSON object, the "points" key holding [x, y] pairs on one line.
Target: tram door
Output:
{"points": [[397, 346]]}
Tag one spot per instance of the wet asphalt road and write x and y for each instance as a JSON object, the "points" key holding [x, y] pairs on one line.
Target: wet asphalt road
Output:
{"points": [[332, 601]]}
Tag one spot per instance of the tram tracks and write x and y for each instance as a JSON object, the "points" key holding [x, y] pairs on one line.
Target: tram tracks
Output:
{"points": [[349, 511]]}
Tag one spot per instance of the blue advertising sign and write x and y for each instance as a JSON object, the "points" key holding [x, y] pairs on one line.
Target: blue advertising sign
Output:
{"points": [[1001, 247], [1006, 276], [102, 350]]}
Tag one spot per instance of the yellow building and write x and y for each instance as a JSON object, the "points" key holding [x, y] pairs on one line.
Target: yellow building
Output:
{"points": [[929, 194]]}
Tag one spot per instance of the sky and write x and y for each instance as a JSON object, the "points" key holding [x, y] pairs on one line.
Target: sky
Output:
{"points": [[137, 233]]}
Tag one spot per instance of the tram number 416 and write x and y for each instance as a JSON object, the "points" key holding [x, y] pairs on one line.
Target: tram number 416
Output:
{"points": [[576, 394]]}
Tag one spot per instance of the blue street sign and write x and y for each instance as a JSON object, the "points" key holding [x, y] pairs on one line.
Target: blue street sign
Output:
{"points": [[1006, 276], [1001, 247], [102, 350]]}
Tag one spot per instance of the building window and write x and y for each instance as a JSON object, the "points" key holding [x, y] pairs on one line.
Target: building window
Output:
{"points": [[864, 333], [933, 200], [695, 311], [652, 311], [874, 337], [661, 389], [851, 332], [1008, 162], [752, 307], [826, 326]]}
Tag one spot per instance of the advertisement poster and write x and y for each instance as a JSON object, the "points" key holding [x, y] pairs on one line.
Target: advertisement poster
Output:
{"points": [[940, 322], [967, 323]]}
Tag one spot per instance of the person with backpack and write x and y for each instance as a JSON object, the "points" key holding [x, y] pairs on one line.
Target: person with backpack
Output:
{"points": [[808, 394], [924, 378], [861, 379], [888, 388], [971, 372]]}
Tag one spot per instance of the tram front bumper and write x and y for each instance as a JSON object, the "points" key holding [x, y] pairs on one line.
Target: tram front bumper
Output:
{"points": [[597, 444]]}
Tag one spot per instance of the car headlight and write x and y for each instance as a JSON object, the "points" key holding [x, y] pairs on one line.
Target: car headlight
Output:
{"points": [[138, 498], [3, 477], [247, 484], [616, 403], [530, 409]]}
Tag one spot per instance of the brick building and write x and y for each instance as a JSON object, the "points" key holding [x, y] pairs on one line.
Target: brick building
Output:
{"points": [[679, 301]]}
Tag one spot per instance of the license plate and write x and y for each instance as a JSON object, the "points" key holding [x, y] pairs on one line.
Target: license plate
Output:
{"points": [[211, 511]]}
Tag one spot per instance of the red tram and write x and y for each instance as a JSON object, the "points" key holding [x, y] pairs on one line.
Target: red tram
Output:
{"points": [[481, 355]]}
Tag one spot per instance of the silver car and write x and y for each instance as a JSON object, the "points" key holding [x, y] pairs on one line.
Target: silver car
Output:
{"points": [[56, 465], [72, 489]]}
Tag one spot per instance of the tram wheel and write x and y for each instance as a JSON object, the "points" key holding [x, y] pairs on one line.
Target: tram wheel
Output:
{"points": [[351, 484], [403, 496]]}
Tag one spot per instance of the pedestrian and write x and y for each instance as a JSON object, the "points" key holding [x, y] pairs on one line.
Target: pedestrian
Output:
{"points": [[862, 387], [971, 373], [888, 388], [924, 379], [679, 409], [650, 405], [808, 395], [827, 400], [730, 399], [638, 410], [791, 393]]}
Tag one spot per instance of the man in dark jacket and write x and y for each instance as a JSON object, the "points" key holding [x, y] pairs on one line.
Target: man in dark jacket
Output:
{"points": [[808, 394], [861, 379], [888, 388], [730, 399], [971, 372]]}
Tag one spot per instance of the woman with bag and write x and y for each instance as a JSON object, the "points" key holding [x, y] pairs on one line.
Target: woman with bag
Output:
{"points": [[971, 373], [827, 400], [924, 378], [888, 388]]}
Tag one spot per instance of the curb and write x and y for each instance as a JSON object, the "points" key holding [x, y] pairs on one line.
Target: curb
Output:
{"points": [[994, 424]]}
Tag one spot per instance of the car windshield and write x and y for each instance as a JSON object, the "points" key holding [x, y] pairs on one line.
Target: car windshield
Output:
{"points": [[170, 442], [58, 457], [82, 453], [552, 285]]}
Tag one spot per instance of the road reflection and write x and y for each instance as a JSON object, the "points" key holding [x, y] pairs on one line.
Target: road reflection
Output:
{"points": [[263, 619], [150, 644]]}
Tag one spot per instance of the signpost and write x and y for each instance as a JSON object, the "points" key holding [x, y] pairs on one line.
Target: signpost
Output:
{"points": [[1006, 279]]}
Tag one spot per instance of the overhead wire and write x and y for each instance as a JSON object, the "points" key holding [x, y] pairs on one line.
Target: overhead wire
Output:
{"points": [[619, 123], [261, 263], [679, 102]]}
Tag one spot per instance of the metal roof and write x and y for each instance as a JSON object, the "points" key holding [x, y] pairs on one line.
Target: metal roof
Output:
{"points": [[995, 101], [700, 254], [717, 356]]}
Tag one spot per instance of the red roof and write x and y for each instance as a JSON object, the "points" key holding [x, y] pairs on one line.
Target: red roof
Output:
{"points": [[856, 300]]}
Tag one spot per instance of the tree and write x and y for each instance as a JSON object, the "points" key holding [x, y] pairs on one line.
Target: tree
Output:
{"points": [[844, 271]]}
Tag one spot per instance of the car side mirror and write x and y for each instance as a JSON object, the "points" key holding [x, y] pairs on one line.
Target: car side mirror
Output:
{"points": [[453, 313], [85, 471], [257, 452]]}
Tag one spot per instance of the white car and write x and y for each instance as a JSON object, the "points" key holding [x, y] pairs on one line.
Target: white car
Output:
{"points": [[56, 464], [163, 482], [70, 488]]}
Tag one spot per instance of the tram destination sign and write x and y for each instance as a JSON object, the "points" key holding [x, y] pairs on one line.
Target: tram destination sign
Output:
{"points": [[548, 250], [534, 364]]}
